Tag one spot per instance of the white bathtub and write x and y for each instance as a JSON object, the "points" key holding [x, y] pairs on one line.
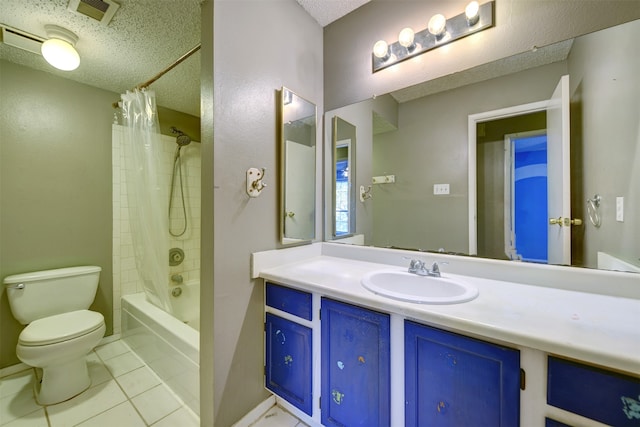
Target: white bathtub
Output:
{"points": [[166, 344], [186, 305]]}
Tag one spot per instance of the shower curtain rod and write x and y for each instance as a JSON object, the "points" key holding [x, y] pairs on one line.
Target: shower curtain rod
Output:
{"points": [[165, 71]]}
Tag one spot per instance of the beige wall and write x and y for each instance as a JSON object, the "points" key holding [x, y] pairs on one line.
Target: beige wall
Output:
{"points": [[55, 186], [259, 46], [604, 73], [520, 25]]}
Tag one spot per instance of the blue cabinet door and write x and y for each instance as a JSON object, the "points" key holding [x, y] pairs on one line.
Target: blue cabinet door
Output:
{"points": [[452, 380], [288, 369], [355, 366]]}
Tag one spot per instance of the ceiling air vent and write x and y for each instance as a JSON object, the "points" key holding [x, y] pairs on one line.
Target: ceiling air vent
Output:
{"points": [[100, 10], [21, 39]]}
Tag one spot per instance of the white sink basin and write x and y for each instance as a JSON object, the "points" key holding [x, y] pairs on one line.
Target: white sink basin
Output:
{"points": [[405, 286]]}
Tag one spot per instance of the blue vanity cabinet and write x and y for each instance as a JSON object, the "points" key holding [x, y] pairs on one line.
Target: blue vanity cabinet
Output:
{"points": [[608, 397], [288, 347], [453, 380], [355, 366]]}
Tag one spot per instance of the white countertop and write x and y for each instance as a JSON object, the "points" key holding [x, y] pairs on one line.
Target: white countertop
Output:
{"points": [[598, 329]]}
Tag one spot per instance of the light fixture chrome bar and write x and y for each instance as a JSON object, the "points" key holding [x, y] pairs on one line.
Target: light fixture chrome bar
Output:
{"points": [[457, 27]]}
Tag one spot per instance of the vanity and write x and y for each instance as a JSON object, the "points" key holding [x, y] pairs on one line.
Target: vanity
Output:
{"points": [[535, 347]]}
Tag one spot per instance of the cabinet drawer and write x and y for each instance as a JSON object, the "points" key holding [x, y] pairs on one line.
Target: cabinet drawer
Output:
{"points": [[600, 395], [289, 300]]}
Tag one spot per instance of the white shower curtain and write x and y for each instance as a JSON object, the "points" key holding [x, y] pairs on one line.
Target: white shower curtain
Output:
{"points": [[147, 194]]}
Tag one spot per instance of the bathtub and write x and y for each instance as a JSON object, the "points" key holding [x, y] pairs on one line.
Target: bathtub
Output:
{"points": [[168, 345]]}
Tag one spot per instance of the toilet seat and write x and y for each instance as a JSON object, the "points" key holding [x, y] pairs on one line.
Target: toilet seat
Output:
{"points": [[59, 328]]}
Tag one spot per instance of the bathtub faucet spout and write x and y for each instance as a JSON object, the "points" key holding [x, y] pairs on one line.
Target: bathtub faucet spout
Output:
{"points": [[177, 278]]}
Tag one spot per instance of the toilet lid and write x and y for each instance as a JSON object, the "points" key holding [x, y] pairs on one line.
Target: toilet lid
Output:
{"points": [[61, 327]]}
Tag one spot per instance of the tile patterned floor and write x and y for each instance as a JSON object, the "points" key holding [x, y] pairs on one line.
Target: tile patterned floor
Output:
{"points": [[124, 393], [278, 417]]}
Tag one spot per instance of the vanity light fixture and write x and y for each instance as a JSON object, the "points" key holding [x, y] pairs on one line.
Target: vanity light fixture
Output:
{"points": [[58, 50], [439, 31]]}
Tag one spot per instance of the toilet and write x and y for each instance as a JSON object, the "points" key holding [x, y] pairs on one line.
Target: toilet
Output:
{"points": [[60, 329]]}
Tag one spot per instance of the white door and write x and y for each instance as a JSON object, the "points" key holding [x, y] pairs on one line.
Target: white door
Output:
{"points": [[300, 191], [558, 182]]}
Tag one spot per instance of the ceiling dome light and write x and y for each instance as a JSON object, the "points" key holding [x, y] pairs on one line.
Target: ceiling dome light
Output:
{"points": [[58, 49], [406, 37], [437, 25], [381, 50], [472, 13]]}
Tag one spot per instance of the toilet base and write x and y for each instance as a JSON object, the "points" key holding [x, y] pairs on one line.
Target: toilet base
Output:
{"points": [[57, 383]]}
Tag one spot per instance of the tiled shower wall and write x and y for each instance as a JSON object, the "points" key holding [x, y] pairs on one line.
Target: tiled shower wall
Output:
{"points": [[125, 276]]}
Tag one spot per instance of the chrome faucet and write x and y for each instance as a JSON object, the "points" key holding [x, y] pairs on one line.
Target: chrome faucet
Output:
{"points": [[419, 267], [177, 278]]}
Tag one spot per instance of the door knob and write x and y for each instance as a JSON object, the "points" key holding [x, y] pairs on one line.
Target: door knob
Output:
{"points": [[566, 222], [556, 221]]}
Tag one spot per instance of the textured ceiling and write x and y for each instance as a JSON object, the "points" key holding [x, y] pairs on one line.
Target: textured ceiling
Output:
{"points": [[144, 37], [327, 11]]}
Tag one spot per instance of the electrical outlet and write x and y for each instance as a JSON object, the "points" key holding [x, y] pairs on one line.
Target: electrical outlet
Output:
{"points": [[620, 209], [440, 189]]}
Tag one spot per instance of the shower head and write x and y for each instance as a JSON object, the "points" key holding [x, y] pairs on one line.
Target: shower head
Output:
{"points": [[181, 139]]}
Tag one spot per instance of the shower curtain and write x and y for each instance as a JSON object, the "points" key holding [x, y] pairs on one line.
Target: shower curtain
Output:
{"points": [[147, 194]]}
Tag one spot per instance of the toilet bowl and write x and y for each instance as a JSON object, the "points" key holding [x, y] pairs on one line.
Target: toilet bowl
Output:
{"points": [[60, 330], [57, 347]]}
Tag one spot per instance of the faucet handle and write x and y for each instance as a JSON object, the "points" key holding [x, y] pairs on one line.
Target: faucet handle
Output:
{"points": [[415, 265]]}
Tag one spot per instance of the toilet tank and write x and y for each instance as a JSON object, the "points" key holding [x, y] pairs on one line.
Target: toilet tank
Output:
{"points": [[45, 293]]}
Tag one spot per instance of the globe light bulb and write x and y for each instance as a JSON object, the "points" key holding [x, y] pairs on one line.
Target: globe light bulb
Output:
{"points": [[406, 37], [381, 50], [472, 13], [437, 25]]}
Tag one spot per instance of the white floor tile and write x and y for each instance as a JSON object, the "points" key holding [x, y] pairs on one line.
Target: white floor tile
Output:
{"points": [[17, 405], [15, 383], [123, 415], [111, 350], [123, 363], [182, 417], [34, 419], [98, 372], [156, 403], [137, 381], [86, 405]]}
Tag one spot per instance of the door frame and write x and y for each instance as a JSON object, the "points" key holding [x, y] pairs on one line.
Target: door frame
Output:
{"points": [[473, 120]]}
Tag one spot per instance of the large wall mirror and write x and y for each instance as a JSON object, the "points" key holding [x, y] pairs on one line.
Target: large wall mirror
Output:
{"points": [[297, 168], [425, 142], [343, 142]]}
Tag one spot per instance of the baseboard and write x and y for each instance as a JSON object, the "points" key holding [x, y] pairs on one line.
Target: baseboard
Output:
{"points": [[256, 412], [13, 369], [109, 339]]}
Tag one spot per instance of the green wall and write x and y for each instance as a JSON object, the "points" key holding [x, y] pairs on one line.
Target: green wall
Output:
{"points": [[55, 183]]}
